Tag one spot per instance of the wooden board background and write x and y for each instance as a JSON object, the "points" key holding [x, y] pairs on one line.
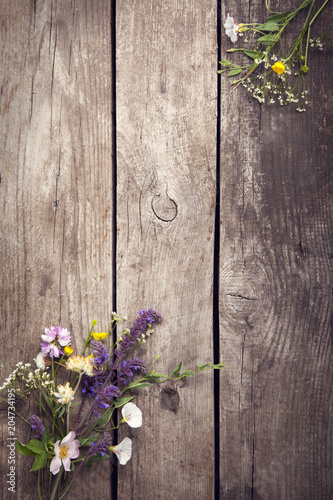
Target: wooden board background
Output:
{"points": [[61, 90]]}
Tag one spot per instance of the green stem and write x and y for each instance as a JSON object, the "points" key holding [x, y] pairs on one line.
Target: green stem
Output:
{"points": [[56, 484]]}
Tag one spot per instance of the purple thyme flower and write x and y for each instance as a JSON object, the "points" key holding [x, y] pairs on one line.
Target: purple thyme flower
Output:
{"points": [[91, 385], [54, 339], [104, 397], [127, 369], [138, 329], [102, 447], [37, 426], [101, 353]]}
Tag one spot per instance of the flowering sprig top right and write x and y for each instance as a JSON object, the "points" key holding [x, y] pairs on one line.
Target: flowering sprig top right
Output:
{"points": [[276, 73]]}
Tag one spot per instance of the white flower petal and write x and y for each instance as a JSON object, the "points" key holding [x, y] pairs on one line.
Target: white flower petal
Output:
{"points": [[123, 450], [132, 415]]}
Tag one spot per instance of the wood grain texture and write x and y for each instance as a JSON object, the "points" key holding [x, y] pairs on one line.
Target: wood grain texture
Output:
{"points": [[55, 164], [275, 287], [166, 157]]}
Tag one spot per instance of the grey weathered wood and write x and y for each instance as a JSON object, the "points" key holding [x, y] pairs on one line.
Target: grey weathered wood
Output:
{"points": [[275, 288], [56, 182], [166, 156]]}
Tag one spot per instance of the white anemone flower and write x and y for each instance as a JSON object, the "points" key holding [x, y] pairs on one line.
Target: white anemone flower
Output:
{"points": [[67, 449], [123, 450], [132, 415], [231, 28]]}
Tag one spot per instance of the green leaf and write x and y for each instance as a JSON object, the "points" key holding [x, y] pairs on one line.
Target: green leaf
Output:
{"points": [[177, 369], [138, 385], [218, 366], [268, 39], [105, 418], [279, 18], [269, 26], [23, 449], [40, 461], [203, 367], [88, 441], [94, 458], [155, 376], [36, 446], [187, 373], [122, 401], [254, 54], [235, 71]]}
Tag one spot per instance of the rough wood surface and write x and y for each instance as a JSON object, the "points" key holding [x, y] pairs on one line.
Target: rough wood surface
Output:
{"points": [[166, 157], [55, 164], [56, 248], [275, 288]]}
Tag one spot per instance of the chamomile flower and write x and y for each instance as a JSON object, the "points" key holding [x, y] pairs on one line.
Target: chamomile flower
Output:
{"points": [[65, 394]]}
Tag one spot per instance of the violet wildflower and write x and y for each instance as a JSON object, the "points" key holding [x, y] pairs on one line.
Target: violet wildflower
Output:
{"points": [[54, 340], [101, 353], [92, 384], [128, 368], [145, 320], [104, 397], [102, 447], [37, 427]]}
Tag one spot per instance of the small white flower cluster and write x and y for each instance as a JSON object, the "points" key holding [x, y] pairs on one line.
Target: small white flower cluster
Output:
{"points": [[142, 339], [31, 379], [275, 87], [317, 42]]}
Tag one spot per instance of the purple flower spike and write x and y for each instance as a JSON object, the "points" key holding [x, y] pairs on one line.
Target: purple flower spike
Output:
{"points": [[37, 426], [145, 319], [102, 447]]}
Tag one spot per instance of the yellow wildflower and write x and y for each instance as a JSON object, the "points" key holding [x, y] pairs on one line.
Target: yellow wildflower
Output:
{"points": [[99, 336], [279, 67], [68, 350]]}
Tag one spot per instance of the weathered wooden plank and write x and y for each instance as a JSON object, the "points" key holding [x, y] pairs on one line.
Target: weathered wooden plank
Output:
{"points": [[166, 156], [275, 288], [55, 164]]}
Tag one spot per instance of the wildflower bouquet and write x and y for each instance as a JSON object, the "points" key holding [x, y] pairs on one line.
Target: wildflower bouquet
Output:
{"points": [[73, 423], [276, 72]]}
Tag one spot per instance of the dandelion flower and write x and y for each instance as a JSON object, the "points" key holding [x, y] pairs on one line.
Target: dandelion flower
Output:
{"points": [[231, 28], [65, 394], [132, 415], [81, 364], [123, 450], [64, 452], [279, 67]]}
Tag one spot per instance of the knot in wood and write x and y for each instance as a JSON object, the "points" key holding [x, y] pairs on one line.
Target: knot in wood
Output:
{"points": [[164, 207], [246, 294]]}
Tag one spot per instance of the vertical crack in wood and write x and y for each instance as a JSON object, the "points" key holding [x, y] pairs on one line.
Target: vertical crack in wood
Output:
{"points": [[216, 277], [114, 465]]}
